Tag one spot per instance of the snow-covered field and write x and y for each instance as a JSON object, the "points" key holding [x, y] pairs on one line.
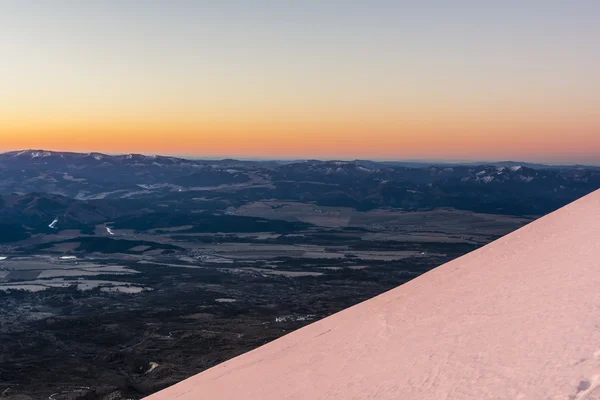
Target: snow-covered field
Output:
{"points": [[81, 284]]}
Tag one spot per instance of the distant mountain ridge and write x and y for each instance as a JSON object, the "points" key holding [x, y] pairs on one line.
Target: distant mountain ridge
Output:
{"points": [[38, 186], [41, 154]]}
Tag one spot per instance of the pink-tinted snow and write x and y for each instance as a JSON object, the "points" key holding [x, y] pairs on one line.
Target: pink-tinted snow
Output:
{"points": [[517, 319]]}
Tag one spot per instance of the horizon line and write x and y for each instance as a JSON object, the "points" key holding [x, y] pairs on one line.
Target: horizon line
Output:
{"points": [[260, 158]]}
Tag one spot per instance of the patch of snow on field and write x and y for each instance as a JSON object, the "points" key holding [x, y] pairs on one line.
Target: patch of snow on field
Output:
{"points": [[225, 300], [123, 289], [289, 318]]}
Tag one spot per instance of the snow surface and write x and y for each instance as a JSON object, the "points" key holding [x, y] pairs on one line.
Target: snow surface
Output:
{"points": [[517, 319], [53, 223], [526, 178], [110, 232]]}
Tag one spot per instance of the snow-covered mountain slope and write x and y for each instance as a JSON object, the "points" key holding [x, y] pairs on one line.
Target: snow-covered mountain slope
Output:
{"points": [[516, 319]]}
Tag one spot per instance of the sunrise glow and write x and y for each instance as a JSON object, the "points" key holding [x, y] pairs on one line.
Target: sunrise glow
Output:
{"points": [[304, 81]]}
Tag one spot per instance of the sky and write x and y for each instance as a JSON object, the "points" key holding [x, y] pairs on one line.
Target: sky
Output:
{"points": [[439, 80]]}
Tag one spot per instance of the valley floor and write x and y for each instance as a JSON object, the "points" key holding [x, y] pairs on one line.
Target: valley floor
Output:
{"points": [[123, 314]]}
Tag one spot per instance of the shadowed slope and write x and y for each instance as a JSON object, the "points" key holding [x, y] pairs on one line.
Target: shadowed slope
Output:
{"points": [[516, 319]]}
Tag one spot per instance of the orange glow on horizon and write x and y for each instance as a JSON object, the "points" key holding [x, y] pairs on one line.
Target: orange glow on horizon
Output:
{"points": [[454, 138], [307, 80]]}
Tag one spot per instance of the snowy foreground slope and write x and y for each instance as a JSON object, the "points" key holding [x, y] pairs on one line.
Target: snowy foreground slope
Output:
{"points": [[518, 319]]}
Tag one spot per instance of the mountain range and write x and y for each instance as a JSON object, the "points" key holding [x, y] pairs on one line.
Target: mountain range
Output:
{"points": [[82, 190]]}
